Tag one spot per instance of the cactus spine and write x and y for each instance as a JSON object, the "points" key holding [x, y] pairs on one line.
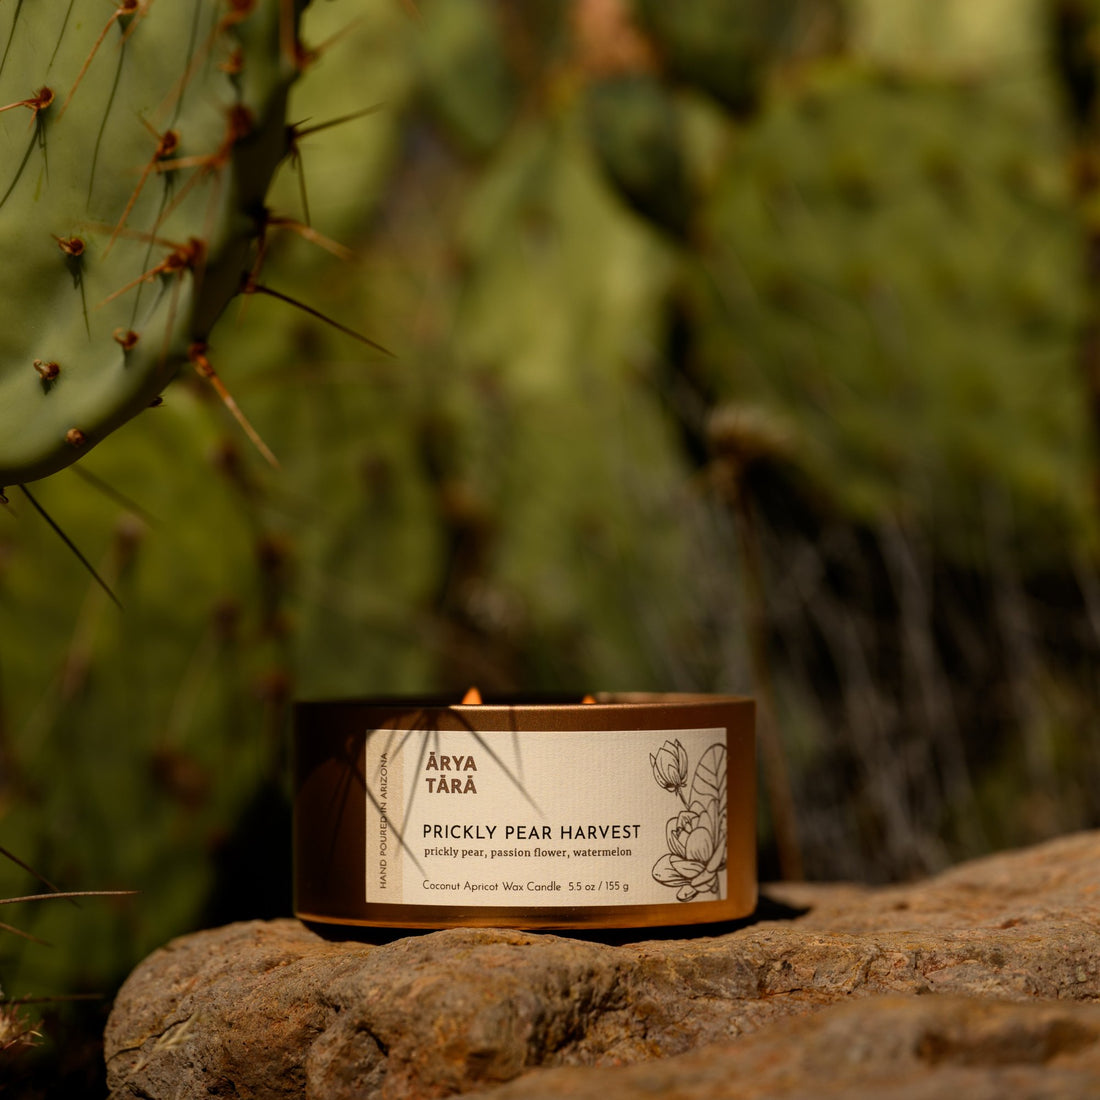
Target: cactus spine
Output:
{"points": [[136, 150]]}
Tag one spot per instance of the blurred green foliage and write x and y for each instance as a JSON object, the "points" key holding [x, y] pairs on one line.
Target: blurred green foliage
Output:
{"points": [[894, 270], [644, 320]]}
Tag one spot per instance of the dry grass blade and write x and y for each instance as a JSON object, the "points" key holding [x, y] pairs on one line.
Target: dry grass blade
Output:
{"points": [[23, 935], [29, 869], [70, 894]]}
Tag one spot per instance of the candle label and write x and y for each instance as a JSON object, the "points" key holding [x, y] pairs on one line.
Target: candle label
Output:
{"points": [[568, 818]]}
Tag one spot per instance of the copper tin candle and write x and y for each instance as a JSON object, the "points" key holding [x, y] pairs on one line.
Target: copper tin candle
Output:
{"points": [[630, 811]]}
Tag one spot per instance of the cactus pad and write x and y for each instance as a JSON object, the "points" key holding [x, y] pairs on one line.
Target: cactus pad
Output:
{"points": [[136, 148]]}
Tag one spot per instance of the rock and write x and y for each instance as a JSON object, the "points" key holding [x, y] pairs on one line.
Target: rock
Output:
{"points": [[872, 1048], [271, 1009]]}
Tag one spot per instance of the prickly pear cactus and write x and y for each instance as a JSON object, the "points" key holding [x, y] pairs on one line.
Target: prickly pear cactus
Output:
{"points": [[722, 46], [136, 148]]}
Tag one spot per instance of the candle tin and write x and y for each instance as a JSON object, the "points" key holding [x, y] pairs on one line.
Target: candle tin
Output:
{"points": [[619, 812]]}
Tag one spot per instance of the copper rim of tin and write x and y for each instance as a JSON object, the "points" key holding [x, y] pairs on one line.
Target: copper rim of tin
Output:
{"points": [[531, 701], [607, 710]]}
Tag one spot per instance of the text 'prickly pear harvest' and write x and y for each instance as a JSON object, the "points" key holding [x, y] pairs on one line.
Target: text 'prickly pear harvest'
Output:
{"points": [[136, 149]]}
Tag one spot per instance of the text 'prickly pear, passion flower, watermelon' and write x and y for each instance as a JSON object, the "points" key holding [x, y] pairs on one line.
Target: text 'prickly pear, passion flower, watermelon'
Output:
{"points": [[136, 149]]}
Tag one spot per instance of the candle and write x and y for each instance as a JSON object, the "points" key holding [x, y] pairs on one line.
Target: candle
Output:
{"points": [[616, 811]]}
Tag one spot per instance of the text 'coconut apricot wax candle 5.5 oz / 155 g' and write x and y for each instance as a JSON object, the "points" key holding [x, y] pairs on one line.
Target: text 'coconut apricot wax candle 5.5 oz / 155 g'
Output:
{"points": [[621, 811]]}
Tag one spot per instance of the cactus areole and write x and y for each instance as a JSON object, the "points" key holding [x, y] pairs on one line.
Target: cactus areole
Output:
{"points": [[136, 149]]}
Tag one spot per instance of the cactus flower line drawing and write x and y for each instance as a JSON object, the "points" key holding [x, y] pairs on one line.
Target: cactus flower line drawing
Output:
{"points": [[696, 835]]}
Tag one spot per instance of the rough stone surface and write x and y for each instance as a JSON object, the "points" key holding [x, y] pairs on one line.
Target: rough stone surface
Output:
{"points": [[870, 1048], [273, 1010]]}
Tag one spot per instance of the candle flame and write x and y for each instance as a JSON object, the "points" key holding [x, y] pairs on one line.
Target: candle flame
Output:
{"points": [[588, 699], [472, 698]]}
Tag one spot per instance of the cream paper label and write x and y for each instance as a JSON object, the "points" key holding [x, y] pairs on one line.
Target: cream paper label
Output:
{"points": [[633, 817]]}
